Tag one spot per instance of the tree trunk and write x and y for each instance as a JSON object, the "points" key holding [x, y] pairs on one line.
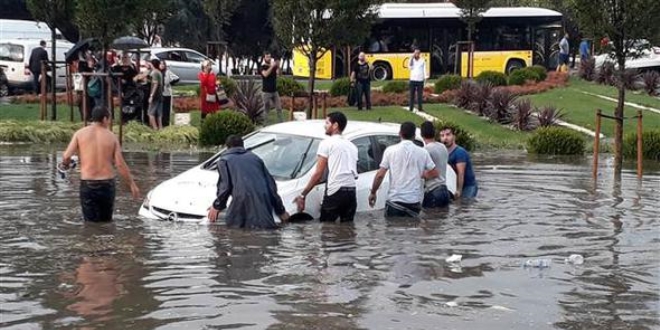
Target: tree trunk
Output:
{"points": [[53, 112], [618, 132], [310, 84]]}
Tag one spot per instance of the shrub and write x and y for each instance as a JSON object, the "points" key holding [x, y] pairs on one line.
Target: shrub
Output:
{"points": [[548, 116], [228, 84], [463, 137], [493, 77], [520, 77], [627, 78], [523, 120], [651, 82], [340, 87], [395, 87], [248, 100], [220, 125], [465, 94], [540, 70], [447, 82], [650, 145], [556, 141], [37, 131], [501, 106], [287, 86], [605, 74], [481, 98], [587, 70]]}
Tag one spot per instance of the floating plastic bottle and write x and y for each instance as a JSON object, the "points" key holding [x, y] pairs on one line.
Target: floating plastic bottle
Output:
{"points": [[64, 172], [575, 259], [538, 263], [455, 258]]}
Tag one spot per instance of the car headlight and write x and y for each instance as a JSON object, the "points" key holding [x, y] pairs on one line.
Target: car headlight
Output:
{"points": [[147, 200]]}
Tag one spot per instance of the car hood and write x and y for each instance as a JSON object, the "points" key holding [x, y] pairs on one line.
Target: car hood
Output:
{"points": [[194, 191]]}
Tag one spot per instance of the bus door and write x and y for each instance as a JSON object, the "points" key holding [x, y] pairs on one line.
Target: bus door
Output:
{"points": [[546, 45]]}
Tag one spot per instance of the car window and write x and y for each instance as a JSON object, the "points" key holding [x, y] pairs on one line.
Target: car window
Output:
{"points": [[176, 56], [194, 57], [382, 142], [11, 52], [286, 156], [366, 159], [162, 56]]}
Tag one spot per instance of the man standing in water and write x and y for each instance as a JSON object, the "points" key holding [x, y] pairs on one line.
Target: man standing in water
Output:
{"points": [[436, 194], [459, 159], [244, 177], [339, 156], [98, 149]]}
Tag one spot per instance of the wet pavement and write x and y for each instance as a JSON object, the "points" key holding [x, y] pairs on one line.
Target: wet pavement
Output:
{"points": [[58, 273]]}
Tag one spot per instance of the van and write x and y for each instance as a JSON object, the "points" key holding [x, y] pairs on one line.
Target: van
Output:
{"points": [[20, 29], [15, 58]]}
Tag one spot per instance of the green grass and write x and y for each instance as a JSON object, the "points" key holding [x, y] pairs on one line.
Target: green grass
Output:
{"points": [[326, 84], [22, 112], [487, 134], [580, 109], [638, 97]]}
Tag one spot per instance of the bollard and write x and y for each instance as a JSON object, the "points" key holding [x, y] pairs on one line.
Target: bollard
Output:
{"points": [[639, 144], [325, 105], [108, 95], [596, 144], [42, 88], [85, 104], [293, 103], [121, 121]]}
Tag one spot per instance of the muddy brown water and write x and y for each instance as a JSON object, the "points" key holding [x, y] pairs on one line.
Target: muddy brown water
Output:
{"points": [[58, 273]]}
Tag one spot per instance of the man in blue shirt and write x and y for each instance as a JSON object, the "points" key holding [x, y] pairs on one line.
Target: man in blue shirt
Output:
{"points": [[584, 50], [459, 160]]}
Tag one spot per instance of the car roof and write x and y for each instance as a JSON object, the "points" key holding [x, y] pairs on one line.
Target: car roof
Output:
{"points": [[314, 128], [35, 42], [168, 49]]}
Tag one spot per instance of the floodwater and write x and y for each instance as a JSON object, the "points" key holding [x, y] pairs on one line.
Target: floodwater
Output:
{"points": [[58, 273]]}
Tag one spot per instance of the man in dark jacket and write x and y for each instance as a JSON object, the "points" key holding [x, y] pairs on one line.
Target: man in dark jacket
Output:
{"points": [[244, 176], [38, 55]]}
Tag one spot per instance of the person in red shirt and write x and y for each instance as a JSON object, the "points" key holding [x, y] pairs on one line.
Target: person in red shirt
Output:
{"points": [[207, 90]]}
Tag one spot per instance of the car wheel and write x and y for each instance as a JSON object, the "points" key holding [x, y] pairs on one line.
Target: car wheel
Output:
{"points": [[381, 71], [514, 65]]}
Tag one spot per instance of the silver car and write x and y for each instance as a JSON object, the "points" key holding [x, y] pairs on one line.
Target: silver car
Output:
{"points": [[185, 63]]}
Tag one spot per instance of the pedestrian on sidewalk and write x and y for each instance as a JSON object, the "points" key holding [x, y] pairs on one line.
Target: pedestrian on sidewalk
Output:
{"points": [[361, 77], [418, 75]]}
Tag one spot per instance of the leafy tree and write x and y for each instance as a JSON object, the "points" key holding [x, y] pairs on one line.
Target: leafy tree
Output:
{"points": [[189, 26], [154, 14], [471, 11], [625, 21], [107, 19], [250, 31], [220, 13], [315, 26]]}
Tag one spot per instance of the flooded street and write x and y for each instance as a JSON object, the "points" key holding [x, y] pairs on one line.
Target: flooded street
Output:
{"points": [[58, 273]]}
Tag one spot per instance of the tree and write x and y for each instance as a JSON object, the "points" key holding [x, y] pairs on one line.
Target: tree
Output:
{"points": [[315, 26], [625, 21], [471, 11], [107, 19], [189, 25], [53, 13], [154, 15], [220, 13], [250, 31]]}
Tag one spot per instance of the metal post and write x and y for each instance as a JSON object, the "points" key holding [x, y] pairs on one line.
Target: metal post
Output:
{"points": [[325, 105], [69, 93], [315, 106], [85, 102], [596, 144], [108, 94], [639, 144], [42, 88], [121, 121], [293, 108]]}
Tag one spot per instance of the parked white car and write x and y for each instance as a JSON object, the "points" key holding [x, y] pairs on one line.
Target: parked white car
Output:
{"points": [[289, 152], [649, 59], [15, 58], [185, 63]]}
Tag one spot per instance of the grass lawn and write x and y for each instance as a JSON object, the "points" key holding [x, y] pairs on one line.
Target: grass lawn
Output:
{"points": [[24, 112], [638, 97], [487, 134], [580, 109]]}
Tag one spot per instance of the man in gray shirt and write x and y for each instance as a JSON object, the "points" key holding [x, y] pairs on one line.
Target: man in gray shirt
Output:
{"points": [[436, 194]]}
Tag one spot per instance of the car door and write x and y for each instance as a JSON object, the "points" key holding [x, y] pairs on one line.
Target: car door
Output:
{"points": [[194, 64], [176, 61], [370, 155]]}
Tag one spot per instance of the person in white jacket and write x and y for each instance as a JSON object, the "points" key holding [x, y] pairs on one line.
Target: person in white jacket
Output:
{"points": [[169, 79]]}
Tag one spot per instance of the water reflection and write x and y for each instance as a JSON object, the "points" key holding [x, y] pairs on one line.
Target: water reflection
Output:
{"points": [[56, 272]]}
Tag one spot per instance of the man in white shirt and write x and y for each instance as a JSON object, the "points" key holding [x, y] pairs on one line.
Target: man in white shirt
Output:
{"points": [[417, 67], [408, 165], [340, 157]]}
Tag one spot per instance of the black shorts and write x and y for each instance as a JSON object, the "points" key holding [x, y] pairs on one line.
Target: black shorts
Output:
{"points": [[402, 210], [97, 198], [341, 204]]}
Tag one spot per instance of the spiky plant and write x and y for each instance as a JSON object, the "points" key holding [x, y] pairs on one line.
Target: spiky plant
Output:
{"points": [[481, 98], [500, 107], [605, 75], [522, 115], [548, 116], [465, 94], [247, 100], [651, 82]]}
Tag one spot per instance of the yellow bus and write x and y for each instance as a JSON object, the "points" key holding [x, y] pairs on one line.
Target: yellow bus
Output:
{"points": [[506, 39]]}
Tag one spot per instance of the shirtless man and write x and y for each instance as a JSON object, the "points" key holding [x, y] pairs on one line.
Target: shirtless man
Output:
{"points": [[98, 150]]}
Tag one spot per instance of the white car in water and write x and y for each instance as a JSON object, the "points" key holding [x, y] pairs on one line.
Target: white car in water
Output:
{"points": [[647, 59], [289, 152]]}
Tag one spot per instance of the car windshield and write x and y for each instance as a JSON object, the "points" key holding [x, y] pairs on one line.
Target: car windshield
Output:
{"points": [[286, 156], [11, 52]]}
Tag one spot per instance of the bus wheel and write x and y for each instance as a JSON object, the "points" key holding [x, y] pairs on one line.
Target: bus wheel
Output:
{"points": [[514, 65], [381, 71]]}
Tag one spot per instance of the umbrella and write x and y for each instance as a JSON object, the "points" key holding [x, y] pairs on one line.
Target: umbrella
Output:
{"points": [[81, 46], [127, 43]]}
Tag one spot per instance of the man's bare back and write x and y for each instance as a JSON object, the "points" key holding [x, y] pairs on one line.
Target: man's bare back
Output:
{"points": [[96, 147]]}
